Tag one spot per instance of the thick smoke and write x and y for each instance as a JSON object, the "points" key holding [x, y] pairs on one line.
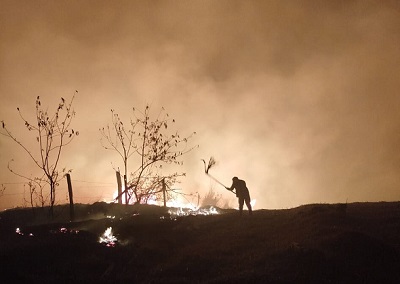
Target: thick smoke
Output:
{"points": [[300, 99]]}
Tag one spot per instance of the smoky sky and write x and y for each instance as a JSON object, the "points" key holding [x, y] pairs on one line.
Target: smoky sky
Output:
{"points": [[298, 98]]}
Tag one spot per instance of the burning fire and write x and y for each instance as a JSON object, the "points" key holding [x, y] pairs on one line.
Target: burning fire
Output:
{"points": [[108, 238], [178, 212], [64, 230]]}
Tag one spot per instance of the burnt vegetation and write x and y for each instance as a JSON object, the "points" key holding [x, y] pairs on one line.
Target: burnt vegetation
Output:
{"points": [[318, 243]]}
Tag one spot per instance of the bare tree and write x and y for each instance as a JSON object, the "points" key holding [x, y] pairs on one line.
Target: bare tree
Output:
{"points": [[36, 186], [148, 141], [123, 142], [52, 134]]}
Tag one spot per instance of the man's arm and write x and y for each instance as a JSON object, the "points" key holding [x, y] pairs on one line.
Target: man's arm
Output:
{"points": [[230, 188]]}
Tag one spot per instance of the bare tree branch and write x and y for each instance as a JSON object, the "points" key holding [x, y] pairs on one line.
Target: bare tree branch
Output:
{"points": [[149, 143]]}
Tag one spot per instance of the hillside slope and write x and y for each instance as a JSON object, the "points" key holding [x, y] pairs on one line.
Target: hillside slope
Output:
{"points": [[318, 243]]}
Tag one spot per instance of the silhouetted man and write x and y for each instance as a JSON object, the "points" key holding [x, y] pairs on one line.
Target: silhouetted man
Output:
{"points": [[242, 193]]}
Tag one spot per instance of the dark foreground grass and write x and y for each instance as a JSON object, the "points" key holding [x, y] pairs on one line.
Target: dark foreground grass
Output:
{"points": [[319, 243]]}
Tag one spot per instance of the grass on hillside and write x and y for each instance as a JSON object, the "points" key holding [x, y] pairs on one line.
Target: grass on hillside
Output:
{"points": [[318, 243]]}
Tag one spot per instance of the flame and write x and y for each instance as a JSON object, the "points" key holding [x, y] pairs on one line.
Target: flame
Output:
{"points": [[108, 238], [178, 212], [115, 195]]}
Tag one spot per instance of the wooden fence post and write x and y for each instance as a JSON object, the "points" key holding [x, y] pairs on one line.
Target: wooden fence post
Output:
{"points": [[71, 200], [164, 191], [119, 187], [126, 190]]}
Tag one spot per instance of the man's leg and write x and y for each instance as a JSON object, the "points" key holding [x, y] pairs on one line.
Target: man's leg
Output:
{"points": [[241, 202], [248, 204]]}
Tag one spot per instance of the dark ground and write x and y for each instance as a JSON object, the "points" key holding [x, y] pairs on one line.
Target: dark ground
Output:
{"points": [[318, 243]]}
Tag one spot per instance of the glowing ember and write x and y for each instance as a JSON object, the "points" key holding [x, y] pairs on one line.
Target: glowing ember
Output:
{"points": [[108, 238], [64, 230], [18, 231]]}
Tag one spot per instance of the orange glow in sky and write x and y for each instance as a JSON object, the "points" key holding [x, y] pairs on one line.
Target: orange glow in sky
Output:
{"points": [[300, 99]]}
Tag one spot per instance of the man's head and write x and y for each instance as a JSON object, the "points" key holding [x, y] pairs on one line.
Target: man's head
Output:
{"points": [[235, 179]]}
